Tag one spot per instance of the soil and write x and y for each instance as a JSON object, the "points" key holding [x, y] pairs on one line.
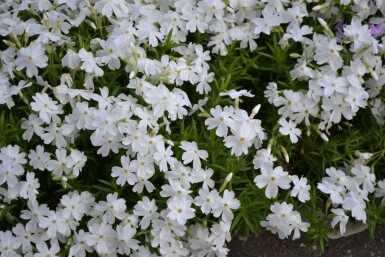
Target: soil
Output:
{"points": [[269, 245]]}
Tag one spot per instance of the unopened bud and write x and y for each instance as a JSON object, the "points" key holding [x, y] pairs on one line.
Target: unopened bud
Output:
{"points": [[322, 135], [229, 177], [321, 6], [26, 35], [371, 71], [93, 25], [295, 55], [15, 39], [10, 44], [326, 27], [256, 108], [285, 154], [169, 142], [270, 144]]}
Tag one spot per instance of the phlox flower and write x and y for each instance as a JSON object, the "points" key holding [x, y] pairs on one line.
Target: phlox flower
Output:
{"points": [[337, 107], [125, 236], [224, 205], [221, 120], [28, 188], [47, 108], [54, 134], [24, 238], [10, 172], [101, 237], [175, 248], [90, 63], [355, 201], [107, 143], [34, 213], [359, 34], [6, 244], [38, 159], [79, 248], [364, 176], [73, 206], [270, 19], [301, 188], [124, 174], [76, 161], [340, 218], [54, 223], [164, 156], [207, 199], [31, 57], [289, 128], [327, 51], [108, 7], [236, 94], [272, 179], [331, 83], [44, 250], [211, 8], [263, 156], [180, 209], [195, 20], [147, 209], [113, 208], [279, 221], [242, 139], [71, 59], [193, 154], [335, 191], [297, 33], [175, 189], [222, 232], [166, 227], [380, 189]]}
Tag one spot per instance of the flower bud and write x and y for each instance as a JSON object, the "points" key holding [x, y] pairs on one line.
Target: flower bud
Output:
{"points": [[229, 177], [285, 154]]}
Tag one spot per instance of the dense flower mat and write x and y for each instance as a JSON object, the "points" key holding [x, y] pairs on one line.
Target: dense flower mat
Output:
{"points": [[162, 127]]}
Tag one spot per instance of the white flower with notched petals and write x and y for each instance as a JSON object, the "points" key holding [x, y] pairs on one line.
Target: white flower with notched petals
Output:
{"points": [[90, 63], [31, 58], [193, 154], [272, 179]]}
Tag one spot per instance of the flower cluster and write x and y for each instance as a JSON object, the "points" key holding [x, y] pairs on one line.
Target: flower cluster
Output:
{"points": [[123, 131]]}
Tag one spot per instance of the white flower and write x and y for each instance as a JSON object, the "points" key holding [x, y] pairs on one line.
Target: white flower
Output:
{"points": [[147, 209], [45, 251], [341, 218], [301, 188], [125, 236], [47, 108], [220, 120], [180, 210], [236, 94], [113, 208], [223, 206], [193, 154], [71, 59], [272, 179], [90, 63], [289, 128], [54, 224], [124, 174], [31, 57]]}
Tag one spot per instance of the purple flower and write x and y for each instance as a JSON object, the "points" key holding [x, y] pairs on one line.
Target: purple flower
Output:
{"points": [[376, 29], [339, 27]]}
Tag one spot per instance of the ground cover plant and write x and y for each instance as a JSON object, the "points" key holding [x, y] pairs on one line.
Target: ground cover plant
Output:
{"points": [[164, 128]]}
